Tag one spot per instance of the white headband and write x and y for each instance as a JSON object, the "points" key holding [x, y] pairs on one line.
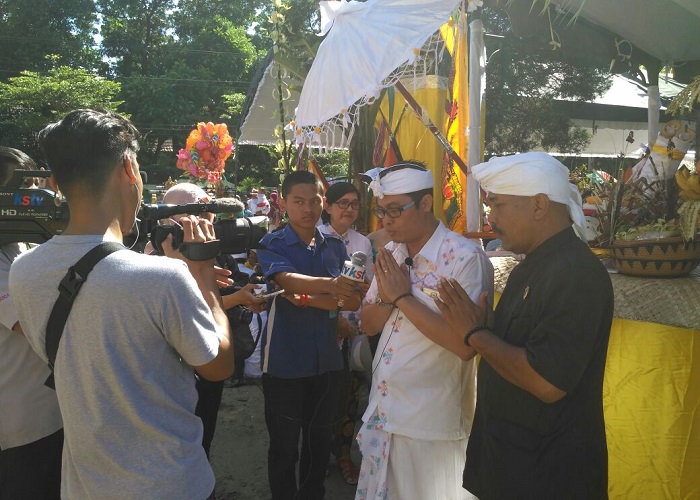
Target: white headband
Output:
{"points": [[401, 178], [528, 174]]}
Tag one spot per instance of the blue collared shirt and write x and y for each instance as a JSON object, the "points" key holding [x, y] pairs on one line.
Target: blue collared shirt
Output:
{"points": [[300, 341]]}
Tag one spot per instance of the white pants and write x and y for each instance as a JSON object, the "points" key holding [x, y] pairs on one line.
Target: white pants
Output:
{"points": [[397, 467]]}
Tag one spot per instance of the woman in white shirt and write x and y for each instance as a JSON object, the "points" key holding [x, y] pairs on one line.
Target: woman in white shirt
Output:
{"points": [[340, 213]]}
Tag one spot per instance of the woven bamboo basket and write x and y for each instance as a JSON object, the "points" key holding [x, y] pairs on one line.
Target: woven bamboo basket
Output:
{"points": [[663, 258]]}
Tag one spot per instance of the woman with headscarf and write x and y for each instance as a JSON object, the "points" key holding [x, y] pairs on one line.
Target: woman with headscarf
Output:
{"points": [[340, 213]]}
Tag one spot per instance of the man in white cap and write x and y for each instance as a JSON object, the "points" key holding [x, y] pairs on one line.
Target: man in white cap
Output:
{"points": [[252, 200], [258, 204], [538, 429], [422, 395]]}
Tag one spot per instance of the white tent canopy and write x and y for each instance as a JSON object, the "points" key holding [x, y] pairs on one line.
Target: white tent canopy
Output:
{"points": [[263, 115], [665, 29], [609, 133]]}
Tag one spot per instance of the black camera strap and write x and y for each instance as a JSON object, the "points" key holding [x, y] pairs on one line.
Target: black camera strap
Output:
{"points": [[68, 290], [257, 337]]}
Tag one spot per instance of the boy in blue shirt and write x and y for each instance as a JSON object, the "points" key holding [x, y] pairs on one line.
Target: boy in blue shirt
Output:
{"points": [[300, 358]]}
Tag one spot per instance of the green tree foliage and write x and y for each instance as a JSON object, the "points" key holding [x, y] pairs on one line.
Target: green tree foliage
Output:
{"points": [[31, 30], [174, 63], [194, 15], [179, 63], [32, 100], [234, 105], [134, 34], [335, 164], [296, 23], [257, 163], [524, 78]]}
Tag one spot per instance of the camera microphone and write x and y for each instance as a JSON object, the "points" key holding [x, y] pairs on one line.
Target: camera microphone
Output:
{"points": [[354, 268], [157, 212]]}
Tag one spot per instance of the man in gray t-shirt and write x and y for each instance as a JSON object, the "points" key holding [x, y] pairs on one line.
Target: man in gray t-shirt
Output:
{"points": [[139, 327]]}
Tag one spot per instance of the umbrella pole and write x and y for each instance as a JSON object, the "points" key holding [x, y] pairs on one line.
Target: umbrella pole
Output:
{"points": [[431, 126]]}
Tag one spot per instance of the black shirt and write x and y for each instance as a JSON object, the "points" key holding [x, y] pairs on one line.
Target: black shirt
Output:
{"points": [[558, 305]]}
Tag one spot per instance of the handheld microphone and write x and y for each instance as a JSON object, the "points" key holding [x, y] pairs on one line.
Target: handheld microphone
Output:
{"points": [[354, 268]]}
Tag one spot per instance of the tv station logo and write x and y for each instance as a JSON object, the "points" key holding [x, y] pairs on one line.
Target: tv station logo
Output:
{"points": [[28, 200]]}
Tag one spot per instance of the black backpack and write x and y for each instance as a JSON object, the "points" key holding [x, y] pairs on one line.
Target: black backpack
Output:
{"points": [[243, 342]]}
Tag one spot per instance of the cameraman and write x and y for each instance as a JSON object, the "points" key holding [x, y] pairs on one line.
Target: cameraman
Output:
{"points": [[31, 431], [209, 393], [139, 328], [184, 193]]}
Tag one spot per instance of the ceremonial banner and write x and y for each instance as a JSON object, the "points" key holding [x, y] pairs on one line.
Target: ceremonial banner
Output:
{"points": [[454, 181], [414, 140]]}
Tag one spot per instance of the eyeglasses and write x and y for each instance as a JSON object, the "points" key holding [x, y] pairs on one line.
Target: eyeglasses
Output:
{"points": [[392, 212], [344, 204]]}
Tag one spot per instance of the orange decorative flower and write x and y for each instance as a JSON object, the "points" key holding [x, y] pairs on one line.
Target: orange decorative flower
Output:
{"points": [[206, 150]]}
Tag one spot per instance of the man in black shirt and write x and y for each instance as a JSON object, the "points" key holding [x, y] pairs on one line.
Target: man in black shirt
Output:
{"points": [[539, 430]]}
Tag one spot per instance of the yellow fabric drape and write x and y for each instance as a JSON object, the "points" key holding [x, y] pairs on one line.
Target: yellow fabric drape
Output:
{"points": [[651, 401], [415, 141], [454, 182]]}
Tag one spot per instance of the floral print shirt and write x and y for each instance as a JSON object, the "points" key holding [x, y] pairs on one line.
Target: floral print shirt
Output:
{"points": [[419, 388]]}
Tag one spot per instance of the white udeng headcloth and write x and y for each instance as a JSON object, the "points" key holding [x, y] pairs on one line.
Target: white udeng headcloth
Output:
{"points": [[528, 174], [401, 178]]}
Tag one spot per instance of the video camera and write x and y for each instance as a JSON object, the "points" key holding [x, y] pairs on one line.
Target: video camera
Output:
{"points": [[30, 215], [235, 235], [36, 215]]}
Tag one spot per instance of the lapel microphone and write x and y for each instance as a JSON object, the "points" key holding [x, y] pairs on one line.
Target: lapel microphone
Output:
{"points": [[409, 262]]}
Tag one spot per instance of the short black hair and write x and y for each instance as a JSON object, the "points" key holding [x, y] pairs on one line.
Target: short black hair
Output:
{"points": [[12, 159], [84, 146], [335, 192], [417, 196], [300, 177]]}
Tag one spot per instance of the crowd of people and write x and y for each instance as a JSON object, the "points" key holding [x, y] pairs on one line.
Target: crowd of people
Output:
{"points": [[148, 343]]}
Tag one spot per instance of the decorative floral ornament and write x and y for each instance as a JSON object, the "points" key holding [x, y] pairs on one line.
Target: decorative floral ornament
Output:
{"points": [[376, 186], [206, 150], [316, 136], [298, 136]]}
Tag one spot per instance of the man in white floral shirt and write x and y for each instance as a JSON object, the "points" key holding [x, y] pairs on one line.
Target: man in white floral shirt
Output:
{"points": [[423, 379]]}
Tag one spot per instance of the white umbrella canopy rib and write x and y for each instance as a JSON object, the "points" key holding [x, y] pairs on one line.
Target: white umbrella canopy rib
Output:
{"points": [[366, 42]]}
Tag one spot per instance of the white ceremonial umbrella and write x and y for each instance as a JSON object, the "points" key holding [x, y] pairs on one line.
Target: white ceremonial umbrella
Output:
{"points": [[365, 44]]}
